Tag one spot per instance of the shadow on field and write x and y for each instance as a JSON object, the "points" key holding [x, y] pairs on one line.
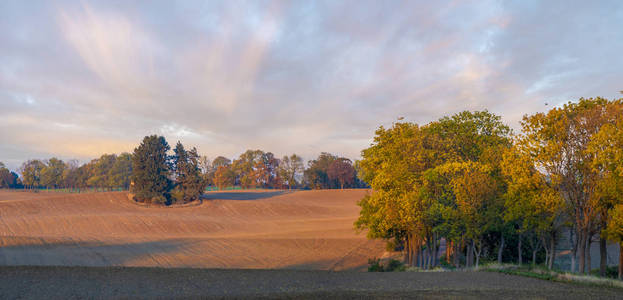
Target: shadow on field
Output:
{"points": [[243, 195], [33, 251]]}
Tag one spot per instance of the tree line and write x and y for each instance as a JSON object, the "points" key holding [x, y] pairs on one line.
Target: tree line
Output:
{"points": [[107, 172], [252, 169], [469, 180], [256, 168]]}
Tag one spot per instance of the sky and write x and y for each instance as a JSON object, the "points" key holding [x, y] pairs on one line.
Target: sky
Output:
{"points": [[83, 78]]}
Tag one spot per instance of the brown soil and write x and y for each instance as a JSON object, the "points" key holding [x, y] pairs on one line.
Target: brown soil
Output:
{"points": [[117, 282], [241, 229]]}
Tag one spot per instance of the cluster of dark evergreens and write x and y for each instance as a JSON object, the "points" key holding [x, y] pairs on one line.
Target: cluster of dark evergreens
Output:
{"points": [[164, 179]]}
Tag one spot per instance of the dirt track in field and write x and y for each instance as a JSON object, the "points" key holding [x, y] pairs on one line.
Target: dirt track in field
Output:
{"points": [[242, 229], [107, 283]]}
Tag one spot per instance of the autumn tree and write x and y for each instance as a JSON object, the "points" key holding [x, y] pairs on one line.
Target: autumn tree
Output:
{"points": [[8, 179], [100, 170], [614, 232], [52, 173], [342, 171], [224, 177], [31, 173], [468, 147], [533, 205], [245, 167], [266, 171], [207, 170], [607, 148], [70, 174], [121, 171], [221, 161], [291, 167], [316, 173], [557, 142], [393, 172], [151, 171]]}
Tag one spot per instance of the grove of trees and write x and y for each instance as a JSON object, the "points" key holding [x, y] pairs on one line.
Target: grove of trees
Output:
{"points": [[256, 168], [110, 171], [467, 179]]}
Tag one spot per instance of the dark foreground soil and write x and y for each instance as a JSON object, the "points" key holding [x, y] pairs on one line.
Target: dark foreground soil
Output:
{"points": [[123, 282]]}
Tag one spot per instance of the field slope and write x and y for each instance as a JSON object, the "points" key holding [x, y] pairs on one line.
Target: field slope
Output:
{"points": [[244, 229]]}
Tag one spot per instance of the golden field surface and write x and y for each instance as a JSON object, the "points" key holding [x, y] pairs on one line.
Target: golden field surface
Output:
{"points": [[237, 229]]}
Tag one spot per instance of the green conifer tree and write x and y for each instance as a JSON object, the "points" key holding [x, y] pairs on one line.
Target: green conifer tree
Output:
{"points": [[151, 170]]}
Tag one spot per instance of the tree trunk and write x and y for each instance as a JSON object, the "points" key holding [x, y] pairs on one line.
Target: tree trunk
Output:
{"points": [[409, 251], [411, 254], [588, 265], [468, 255], [621, 260], [534, 257], [582, 252], [449, 248], [519, 252], [546, 247], [420, 255], [457, 251], [574, 240], [501, 249], [437, 251], [425, 257], [603, 256], [415, 254], [476, 252], [429, 254], [433, 251], [546, 256], [552, 253]]}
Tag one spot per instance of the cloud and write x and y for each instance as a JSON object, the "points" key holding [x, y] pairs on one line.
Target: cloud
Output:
{"points": [[80, 79]]}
